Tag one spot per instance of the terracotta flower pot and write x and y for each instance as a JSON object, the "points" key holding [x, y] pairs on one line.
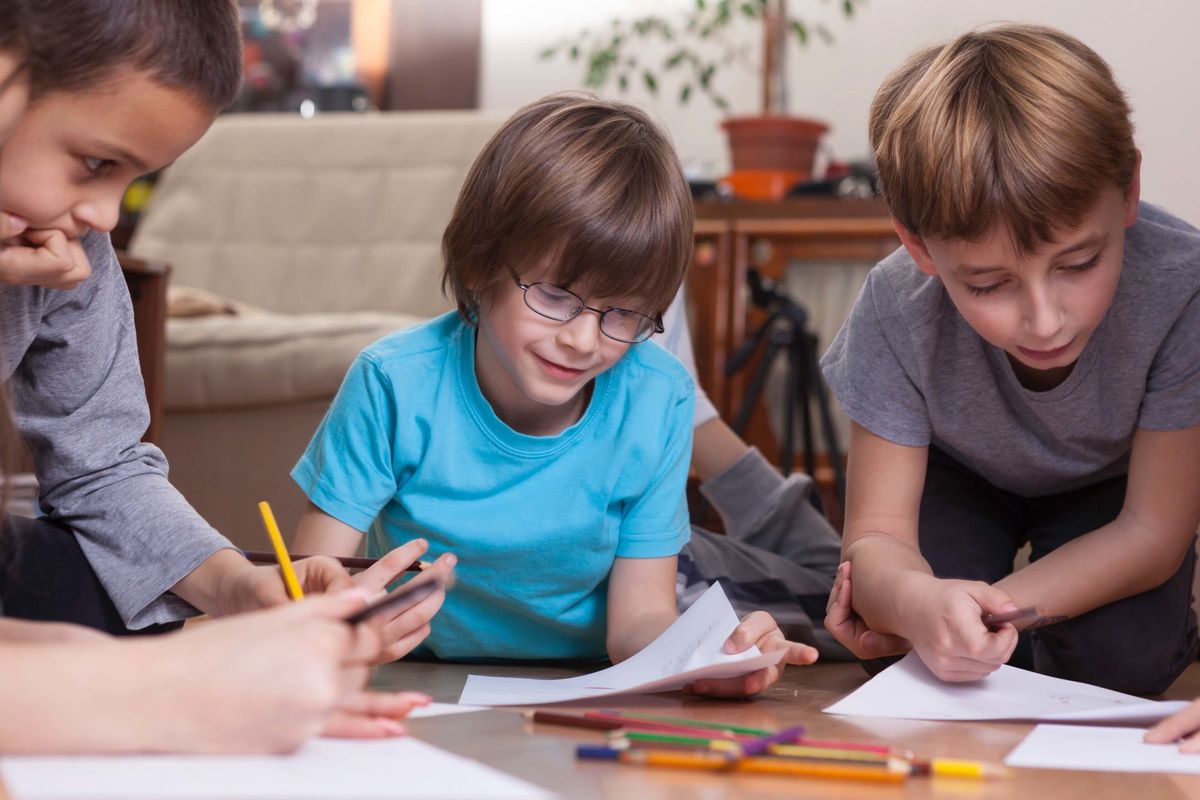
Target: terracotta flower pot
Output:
{"points": [[770, 154]]}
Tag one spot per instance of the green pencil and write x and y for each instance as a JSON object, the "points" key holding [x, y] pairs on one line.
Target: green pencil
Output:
{"points": [[686, 723]]}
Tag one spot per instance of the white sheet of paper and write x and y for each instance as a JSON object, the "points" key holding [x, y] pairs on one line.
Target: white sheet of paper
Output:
{"points": [[908, 690], [323, 768], [442, 709], [1105, 749], [687, 651]]}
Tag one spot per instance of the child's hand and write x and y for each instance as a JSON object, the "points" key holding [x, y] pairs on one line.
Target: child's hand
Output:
{"points": [[409, 627], [758, 628], [850, 629], [1183, 725], [948, 630], [255, 683], [373, 715], [40, 257]]}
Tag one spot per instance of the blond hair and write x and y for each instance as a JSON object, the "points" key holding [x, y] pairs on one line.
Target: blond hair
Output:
{"points": [[592, 186], [1014, 125]]}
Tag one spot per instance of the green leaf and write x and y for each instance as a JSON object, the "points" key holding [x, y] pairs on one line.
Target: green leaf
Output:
{"points": [[650, 81], [549, 52], [700, 5], [623, 82], [801, 31], [675, 59], [706, 75], [749, 10], [848, 7], [685, 93], [574, 52], [721, 102]]}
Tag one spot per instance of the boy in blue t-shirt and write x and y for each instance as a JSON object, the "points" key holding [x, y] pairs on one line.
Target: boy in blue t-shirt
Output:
{"points": [[1025, 369], [531, 433]]}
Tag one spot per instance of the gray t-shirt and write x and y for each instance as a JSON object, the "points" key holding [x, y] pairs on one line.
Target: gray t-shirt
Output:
{"points": [[70, 359], [908, 368]]}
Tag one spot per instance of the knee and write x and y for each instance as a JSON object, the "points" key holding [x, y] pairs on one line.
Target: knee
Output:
{"points": [[1143, 664]]}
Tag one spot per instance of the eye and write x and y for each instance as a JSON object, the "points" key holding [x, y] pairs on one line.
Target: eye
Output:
{"points": [[98, 166], [1085, 266], [982, 290]]}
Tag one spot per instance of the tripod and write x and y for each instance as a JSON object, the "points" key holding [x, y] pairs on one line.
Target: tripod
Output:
{"points": [[785, 332]]}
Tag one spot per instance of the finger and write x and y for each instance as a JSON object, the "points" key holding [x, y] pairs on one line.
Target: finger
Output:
{"points": [[798, 654], [412, 619], [352, 679], [749, 631], [394, 705], [1176, 726], [392, 565], [741, 686], [11, 225], [403, 646], [882, 644], [336, 605], [349, 725], [322, 575], [835, 594]]}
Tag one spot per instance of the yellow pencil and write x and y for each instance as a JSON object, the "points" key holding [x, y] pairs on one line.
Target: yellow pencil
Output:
{"points": [[281, 553]]}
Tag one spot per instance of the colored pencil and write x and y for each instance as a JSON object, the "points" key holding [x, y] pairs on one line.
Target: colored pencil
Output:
{"points": [[571, 721], [261, 557], [958, 768], [716, 762], [666, 727], [994, 621], [685, 723], [281, 553], [759, 746]]}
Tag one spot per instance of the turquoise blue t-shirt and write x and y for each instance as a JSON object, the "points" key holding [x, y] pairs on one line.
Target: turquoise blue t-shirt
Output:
{"points": [[535, 521]]}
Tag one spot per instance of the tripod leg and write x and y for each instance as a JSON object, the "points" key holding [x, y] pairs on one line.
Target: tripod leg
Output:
{"points": [[755, 389], [831, 442], [800, 370]]}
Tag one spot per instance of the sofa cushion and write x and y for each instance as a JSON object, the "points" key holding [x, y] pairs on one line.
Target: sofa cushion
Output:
{"points": [[224, 361]]}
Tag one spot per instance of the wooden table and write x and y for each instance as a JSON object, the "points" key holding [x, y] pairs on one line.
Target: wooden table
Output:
{"points": [[544, 755]]}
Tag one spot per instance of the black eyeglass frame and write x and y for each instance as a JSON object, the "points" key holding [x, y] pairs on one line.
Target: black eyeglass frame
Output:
{"points": [[656, 321]]}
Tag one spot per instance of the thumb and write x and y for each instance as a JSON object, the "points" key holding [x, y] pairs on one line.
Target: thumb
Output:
{"points": [[992, 600], [11, 225], [332, 606]]}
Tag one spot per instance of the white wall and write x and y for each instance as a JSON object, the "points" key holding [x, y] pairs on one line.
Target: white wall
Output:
{"points": [[1151, 45]]}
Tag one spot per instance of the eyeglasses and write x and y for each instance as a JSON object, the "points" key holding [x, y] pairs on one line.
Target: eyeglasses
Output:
{"points": [[562, 305]]}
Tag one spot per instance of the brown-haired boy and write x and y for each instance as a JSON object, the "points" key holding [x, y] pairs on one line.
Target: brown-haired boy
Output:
{"points": [[534, 434], [1025, 369]]}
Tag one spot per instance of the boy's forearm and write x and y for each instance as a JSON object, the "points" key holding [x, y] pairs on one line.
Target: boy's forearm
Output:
{"points": [[887, 574], [1131, 559], [633, 635]]}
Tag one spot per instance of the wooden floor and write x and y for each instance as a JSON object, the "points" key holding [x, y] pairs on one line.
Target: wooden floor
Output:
{"points": [[544, 755]]}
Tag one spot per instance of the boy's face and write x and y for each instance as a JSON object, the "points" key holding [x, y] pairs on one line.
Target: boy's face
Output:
{"points": [[1041, 309], [534, 370], [71, 157]]}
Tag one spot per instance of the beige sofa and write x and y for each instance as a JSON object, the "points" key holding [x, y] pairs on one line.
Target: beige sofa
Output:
{"points": [[325, 234]]}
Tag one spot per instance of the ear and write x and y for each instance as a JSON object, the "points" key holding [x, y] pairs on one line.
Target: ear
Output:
{"points": [[1133, 194], [915, 247]]}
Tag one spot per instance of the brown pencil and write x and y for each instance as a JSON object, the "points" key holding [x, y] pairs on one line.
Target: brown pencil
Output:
{"points": [[572, 721], [259, 557]]}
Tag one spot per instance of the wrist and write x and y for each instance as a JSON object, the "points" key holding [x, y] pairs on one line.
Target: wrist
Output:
{"points": [[220, 585]]}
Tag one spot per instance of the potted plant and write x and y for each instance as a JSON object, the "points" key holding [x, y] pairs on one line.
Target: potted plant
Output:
{"points": [[770, 152]]}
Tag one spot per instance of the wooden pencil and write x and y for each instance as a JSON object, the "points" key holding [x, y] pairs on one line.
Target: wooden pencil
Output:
{"points": [[260, 557]]}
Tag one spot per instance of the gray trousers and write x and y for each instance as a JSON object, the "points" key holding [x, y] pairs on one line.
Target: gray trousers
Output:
{"points": [[778, 554]]}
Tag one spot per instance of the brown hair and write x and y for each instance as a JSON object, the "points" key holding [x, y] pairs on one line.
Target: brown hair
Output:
{"points": [[1018, 125], [590, 183], [72, 45]]}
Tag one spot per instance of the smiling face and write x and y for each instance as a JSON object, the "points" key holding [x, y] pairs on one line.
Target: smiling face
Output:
{"points": [[534, 371], [1040, 308], [71, 157]]}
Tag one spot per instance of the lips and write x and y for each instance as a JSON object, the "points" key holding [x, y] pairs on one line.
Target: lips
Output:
{"points": [[1046, 355], [558, 370]]}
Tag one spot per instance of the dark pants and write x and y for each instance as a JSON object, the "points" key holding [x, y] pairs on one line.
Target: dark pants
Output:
{"points": [[45, 577], [971, 530]]}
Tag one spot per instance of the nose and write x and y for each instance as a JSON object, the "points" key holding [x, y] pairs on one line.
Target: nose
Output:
{"points": [[99, 213], [581, 334], [1044, 316]]}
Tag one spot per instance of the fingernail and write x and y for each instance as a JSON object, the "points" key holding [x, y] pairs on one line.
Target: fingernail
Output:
{"points": [[391, 726]]}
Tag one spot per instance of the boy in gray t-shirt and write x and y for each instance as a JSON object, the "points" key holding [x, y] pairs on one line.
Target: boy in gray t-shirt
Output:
{"points": [[1025, 369]]}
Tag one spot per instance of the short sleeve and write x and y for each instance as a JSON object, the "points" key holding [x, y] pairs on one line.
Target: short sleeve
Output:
{"points": [[348, 469], [676, 339], [656, 524], [870, 367], [1172, 399]]}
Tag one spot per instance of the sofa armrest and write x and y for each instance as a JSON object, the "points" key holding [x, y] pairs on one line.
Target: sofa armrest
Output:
{"points": [[147, 282]]}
